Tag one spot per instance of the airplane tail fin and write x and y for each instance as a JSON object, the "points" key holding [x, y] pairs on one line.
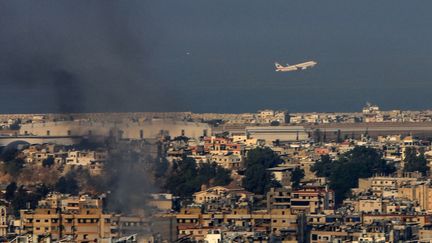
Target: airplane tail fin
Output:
{"points": [[278, 65]]}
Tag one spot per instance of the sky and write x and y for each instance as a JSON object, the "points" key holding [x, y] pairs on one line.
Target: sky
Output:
{"points": [[213, 56]]}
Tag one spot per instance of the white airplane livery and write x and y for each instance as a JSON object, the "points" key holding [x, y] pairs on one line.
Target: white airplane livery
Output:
{"points": [[300, 66]]}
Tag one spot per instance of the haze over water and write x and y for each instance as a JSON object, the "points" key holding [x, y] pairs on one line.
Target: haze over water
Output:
{"points": [[214, 56]]}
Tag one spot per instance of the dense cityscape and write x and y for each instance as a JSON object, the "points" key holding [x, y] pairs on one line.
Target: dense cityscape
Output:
{"points": [[269, 176], [247, 121]]}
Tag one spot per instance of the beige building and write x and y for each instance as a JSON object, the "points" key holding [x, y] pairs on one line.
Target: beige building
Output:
{"points": [[372, 205], [232, 161], [60, 216], [311, 200], [3, 221], [218, 192], [130, 130], [161, 201], [420, 193], [425, 235], [196, 224], [379, 184]]}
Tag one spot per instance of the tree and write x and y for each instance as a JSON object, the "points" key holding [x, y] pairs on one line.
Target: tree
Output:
{"points": [[48, 162], [67, 185], [24, 199], [222, 176], [274, 123], [160, 167], [8, 154], [414, 162], [14, 167], [42, 191], [15, 125], [187, 177], [21, 198], [257, 179], [296, 176], [360, 162], [323, 167], [212, 174], [10, 191]]}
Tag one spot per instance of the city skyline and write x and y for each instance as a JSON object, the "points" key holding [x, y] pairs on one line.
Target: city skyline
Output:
{"points": [[151, 121]]}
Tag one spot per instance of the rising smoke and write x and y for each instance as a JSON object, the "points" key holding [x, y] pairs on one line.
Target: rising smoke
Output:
{"points": [[80, 56], [131, 169], [84, 56]]}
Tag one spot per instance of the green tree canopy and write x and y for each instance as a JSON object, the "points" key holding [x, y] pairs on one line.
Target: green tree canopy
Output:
{"points": [[67, 185], [274, 123], [323, 167], [296, 177], [360, 162], [26, 199], [187, 177], [48, 162], [257, 179], [414, 162], [10, 191], [13, 167]]}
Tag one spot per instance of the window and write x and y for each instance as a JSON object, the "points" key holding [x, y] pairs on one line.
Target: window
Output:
{"points": [[48, 132], [141, 134], [89, 132], [69, 132], [182, 132], [205, 132]]}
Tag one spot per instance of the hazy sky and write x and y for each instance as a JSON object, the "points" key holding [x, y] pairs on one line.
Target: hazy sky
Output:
{"points": [[213, 56]]}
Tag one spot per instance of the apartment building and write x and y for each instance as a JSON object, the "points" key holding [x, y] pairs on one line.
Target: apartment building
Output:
{"points": [[60, 216]]}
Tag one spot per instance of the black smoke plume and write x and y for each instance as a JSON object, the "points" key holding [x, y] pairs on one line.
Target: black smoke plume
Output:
{"points": [[79, 56]]}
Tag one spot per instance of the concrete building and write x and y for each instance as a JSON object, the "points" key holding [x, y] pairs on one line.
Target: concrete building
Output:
{"points": [[130, 130], [274, 133], [232, 161], [62, 216], [3, 221]]}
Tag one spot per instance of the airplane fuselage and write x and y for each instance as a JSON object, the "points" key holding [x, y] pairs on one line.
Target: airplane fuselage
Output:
{"points": [[300, 66]]}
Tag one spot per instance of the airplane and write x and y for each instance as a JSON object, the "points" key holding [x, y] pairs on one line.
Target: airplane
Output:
{"points": [[300, 66]]}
